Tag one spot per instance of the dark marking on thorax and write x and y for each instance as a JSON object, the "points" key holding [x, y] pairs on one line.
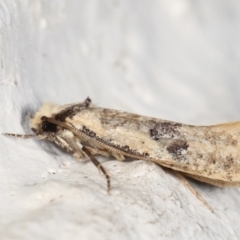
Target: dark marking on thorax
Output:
{"points": [[73, 110]]}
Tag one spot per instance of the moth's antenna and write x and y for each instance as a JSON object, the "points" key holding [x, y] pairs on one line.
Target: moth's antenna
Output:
{"points": [[20, 135]]}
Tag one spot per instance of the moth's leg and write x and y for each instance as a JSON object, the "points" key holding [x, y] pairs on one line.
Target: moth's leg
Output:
{"points": [[79, 149], [98, 165], [64, 144], [118, 156], [70, 148], [192, 189], [95, 151], [74, 146]]}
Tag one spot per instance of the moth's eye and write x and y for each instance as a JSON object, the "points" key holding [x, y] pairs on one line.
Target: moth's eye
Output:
{"points": [[48, 127]]}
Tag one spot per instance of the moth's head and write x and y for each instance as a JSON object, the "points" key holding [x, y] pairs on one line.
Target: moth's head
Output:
{"points": [[39, 124]]}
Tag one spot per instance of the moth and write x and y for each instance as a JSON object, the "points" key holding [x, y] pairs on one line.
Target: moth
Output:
{"points": [[206, 153]]}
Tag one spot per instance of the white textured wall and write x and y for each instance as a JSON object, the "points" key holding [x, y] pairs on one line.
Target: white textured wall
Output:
{"points": [[176, 60]]}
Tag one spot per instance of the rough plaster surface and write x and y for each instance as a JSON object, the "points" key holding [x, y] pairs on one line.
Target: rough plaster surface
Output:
{"points": [[176, 60]]}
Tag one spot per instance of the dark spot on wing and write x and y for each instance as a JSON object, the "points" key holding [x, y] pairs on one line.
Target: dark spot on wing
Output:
{"points": [[229, 162], [165, 130], [177, 147]]}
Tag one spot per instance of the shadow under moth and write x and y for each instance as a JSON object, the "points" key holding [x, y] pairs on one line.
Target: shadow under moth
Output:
{"points": [[206, 153]]}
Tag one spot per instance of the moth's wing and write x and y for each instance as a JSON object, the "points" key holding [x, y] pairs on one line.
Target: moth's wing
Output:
{"points": [[211, 151], [215, 182]]}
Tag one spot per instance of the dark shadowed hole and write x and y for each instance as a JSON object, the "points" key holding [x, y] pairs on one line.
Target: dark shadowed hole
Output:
{"points": [[26, 114]]}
